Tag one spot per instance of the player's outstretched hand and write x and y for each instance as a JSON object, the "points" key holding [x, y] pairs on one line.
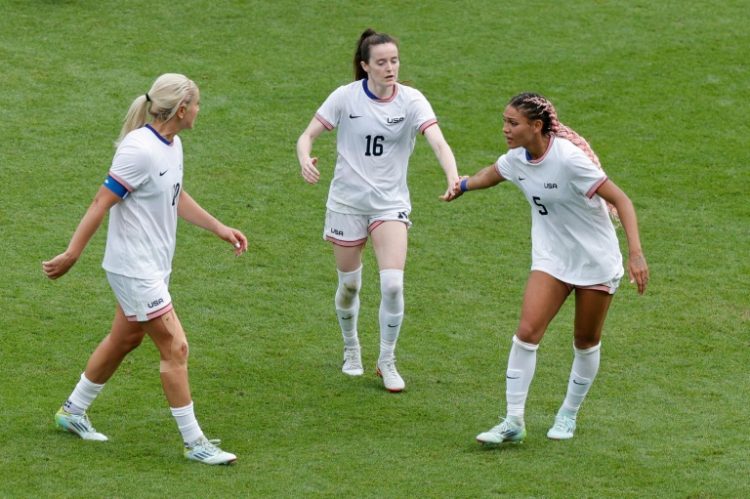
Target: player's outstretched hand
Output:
{"points": [[454, 191], [58, 266], [310, 171]]}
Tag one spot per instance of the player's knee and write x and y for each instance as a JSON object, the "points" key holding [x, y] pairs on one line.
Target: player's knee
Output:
{"points": [[175, 357], [528, 333], [132, 342], [349, 286], [175, 350], [391, 283]]}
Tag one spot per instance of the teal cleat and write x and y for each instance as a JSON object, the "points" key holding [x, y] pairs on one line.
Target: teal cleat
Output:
{"points": [[207, 451], [563, 428], [510, 429], [78, 424]]}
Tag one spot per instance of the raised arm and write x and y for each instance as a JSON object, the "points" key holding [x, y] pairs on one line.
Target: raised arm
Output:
{"points": [[308, 164], [87, 227], [484, 178]]}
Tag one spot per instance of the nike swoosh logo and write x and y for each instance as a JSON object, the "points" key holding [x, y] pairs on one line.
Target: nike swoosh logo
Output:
{"points": [[575, 382], [512, 377], [521, 178], [347, 317], [161, 174], [393, 325], [354, 116]]}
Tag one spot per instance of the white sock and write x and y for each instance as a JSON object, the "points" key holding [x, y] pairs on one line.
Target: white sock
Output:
{"points": [[391, 310], [521, 367], [83, 395], [347, 305], [582, 374], [187, 424]]}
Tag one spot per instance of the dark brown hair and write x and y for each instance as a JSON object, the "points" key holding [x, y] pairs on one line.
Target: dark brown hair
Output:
{"points": [[367, 39]]}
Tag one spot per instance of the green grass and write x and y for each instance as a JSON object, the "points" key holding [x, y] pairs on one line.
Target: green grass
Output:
{"points": [[659, 89]]}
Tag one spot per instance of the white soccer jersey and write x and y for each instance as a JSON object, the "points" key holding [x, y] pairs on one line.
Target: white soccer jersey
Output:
{"points": [[147, 173], [374, 141], [572, 236]]}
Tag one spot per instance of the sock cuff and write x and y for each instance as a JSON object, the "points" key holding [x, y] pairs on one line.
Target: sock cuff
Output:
{"points": [[526, 346], [182, 411], [588, 351], [89, 382], [352, 273], [392, 272]]}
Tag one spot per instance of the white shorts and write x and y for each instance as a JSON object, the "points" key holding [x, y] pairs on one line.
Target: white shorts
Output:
{"points": [[141, 299], [352, 230]]}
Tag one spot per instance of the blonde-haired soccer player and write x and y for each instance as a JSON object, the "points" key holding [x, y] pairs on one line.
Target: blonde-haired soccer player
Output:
{"points": [[144, 195]]}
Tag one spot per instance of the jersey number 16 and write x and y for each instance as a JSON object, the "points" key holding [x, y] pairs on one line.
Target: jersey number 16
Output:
{"points": [[374, 145]]}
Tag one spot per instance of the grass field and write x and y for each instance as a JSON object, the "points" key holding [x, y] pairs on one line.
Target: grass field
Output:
{"points": [[661, 91]]}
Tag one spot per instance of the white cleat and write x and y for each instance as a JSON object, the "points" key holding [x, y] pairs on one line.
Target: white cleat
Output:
{"points": [[563, 428], [352, 362], [207, 451], [510, 429], [78, 424], [392, 380]]}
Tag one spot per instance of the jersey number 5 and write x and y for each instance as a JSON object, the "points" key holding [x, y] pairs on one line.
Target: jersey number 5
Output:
{"points": [[374, 145], [543, 209]]}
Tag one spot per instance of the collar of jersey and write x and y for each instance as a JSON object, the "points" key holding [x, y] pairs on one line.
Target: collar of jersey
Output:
{"points": [[539, 160], [375, 97], [158, 135]]}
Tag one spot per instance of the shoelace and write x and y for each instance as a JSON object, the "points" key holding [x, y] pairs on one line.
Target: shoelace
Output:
{"points": [[563, 424], [351, 356], [389, 368], [84, 420], [506, 425]]}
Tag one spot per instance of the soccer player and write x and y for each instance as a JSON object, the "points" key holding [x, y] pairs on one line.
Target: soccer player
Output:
{"points": [[378, 120], [574, 250], [144, 195]]}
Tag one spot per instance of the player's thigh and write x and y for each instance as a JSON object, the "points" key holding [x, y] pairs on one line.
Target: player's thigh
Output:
{"points": [[348, 258], [167, 334], [542, 299], [591, 311], [125, 333], [390, 242]]}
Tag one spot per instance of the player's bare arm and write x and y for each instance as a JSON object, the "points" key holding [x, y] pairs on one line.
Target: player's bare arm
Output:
{"points": [[189, 210], [483, 179], [59, 265], [637, 266], [445, 157], [308, 164]]}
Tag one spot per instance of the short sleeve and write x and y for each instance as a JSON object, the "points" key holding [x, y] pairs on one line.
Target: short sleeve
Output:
{"points": [[423, 115], [130, 165], [329, 113], [586, 176], [503, 167]]}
